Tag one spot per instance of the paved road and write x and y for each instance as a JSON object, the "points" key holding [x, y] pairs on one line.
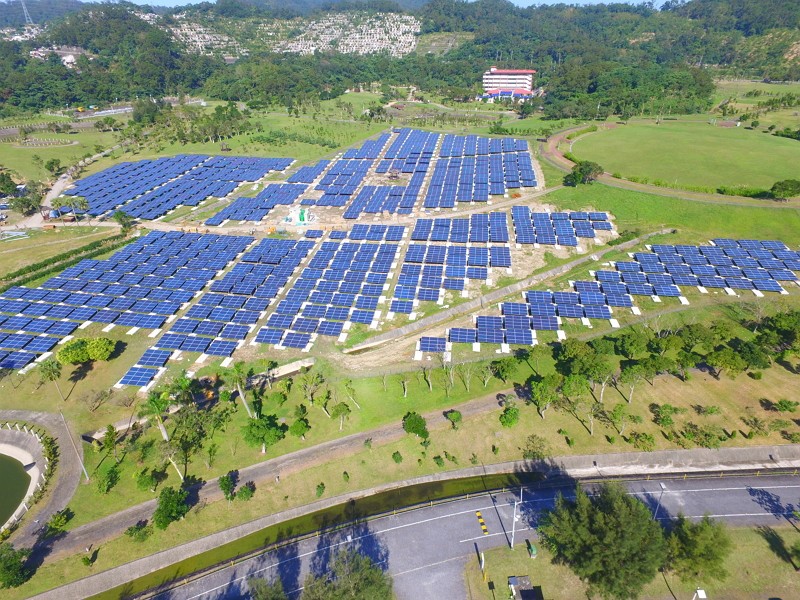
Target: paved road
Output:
{"points": [[426, 550]]}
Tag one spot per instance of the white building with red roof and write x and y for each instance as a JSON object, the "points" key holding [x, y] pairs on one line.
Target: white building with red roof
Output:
{"points": [[508, 83]]}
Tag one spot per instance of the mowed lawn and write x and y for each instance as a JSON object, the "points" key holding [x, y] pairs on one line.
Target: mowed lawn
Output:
{"points": [[41, 245], [696, 221], [692, 153]]}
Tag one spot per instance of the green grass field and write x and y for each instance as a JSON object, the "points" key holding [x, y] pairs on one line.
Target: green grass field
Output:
{"points": [[697, 221], [21, 159], [40, 245], [692, 153]]}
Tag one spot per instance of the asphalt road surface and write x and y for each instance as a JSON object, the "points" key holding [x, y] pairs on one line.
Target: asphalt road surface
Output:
{"points": [[426, 550]]}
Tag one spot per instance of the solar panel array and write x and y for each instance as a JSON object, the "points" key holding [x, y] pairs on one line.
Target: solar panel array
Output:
{"points": [[149, 189], [560, 228], [479, 228], [139, 286], [255, 209], [374, 199], [472, 168], [732, 264], [342, 283], [310, 173]]}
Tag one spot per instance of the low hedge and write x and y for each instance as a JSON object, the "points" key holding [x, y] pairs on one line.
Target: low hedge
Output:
{"points": [[65, 265]]}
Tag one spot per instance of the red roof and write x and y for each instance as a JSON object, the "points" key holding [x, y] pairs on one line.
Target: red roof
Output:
{"points": [[518, 92], [494, 71]]}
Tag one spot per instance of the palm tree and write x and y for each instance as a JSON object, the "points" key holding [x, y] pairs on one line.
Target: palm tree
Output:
{"points": [[155, 406], [239, 377], [184, 388], [50, 370]]}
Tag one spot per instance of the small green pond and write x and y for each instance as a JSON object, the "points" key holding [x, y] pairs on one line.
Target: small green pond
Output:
{"points": [[15, 484]]}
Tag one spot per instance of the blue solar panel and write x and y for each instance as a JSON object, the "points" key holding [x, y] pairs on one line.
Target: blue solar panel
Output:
{"points": [[572, 311], [296, 340], [519, 336], [330, 328], [401, 306], [432, 344], [154, 358], [269, 336], [195, 344], [597, 312], [544, 323], [220, 348], [138, 376], [463, 336]]}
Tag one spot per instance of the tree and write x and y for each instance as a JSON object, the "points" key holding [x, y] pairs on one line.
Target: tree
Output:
{"points": [[698, 551], [631, 376], [227, 484], [265, 431], [106, 481], [503, 368], [455, 418], [631, 343], [50, 370], [53, 165], [100, 348], [609, 540], [415, 424], [785, 405], [172, 506], [300, 426], [618, 417], [74, 352], [239, 378], [125, 221], [510, 415], [261, 589], [788, 188], [583, 171], [155, 406], [13, 572], [25, 205], [352, 575], [545, 392], [725, 358], [536, 448], [110, 441], [183, 389], [342, 412], [403, 379], [189, 434]]}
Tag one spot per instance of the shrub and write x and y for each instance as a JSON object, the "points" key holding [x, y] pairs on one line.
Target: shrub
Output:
{"points": [[139, 532], [473, 459], [345, 476], [320, 489], [757, 375], [246, 491], [100, 348], [397, 457], [438, 460], [536, 448], [73, 352], [784, 405], [642, 441]]}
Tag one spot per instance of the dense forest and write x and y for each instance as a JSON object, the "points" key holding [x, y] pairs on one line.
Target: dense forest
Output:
{"points": [[593, 60]]}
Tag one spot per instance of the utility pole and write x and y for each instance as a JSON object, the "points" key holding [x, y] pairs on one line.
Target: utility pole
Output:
{"points": [[514, 520]]}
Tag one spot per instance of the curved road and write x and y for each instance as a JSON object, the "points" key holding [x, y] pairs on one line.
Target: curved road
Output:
{"points": [[426, 550]]}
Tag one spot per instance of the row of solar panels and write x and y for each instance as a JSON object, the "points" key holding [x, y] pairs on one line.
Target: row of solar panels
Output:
{"points": [[150, 189], [471, 145], [478, 228], [257, 208]]}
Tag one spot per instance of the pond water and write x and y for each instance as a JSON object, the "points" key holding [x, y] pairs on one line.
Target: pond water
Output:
{"points": [[15, 484]]}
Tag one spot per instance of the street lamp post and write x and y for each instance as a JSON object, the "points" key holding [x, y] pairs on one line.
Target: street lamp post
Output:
{"points": [[663, 488], [514, 520]]}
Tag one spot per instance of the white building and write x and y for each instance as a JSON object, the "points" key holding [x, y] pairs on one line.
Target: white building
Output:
{"points": [[508, 82]]}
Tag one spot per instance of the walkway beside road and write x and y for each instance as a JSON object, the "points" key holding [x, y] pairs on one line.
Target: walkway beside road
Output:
{"points": [[603, 465]]}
